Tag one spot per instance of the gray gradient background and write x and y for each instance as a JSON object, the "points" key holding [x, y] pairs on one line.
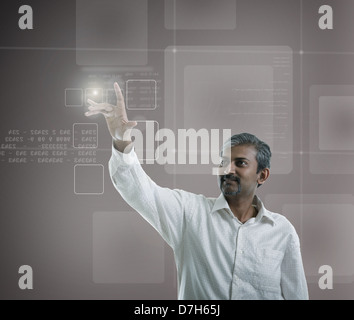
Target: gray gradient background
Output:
{"points": [[84, 246]]}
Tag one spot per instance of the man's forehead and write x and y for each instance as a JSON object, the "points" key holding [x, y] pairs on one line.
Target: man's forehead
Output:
{"points": [[240, 151]]}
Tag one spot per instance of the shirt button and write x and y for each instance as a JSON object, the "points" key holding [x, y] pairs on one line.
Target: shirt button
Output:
{"points": [[241, 251]]}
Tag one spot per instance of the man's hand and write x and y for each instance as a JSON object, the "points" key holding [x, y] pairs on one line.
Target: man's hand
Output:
{"points": [[116, 117]]}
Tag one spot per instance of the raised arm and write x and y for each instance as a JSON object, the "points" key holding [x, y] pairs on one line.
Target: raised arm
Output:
{"points": [[165, 209]]}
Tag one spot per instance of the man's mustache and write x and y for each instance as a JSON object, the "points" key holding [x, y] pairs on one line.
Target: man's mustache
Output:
{"points": [[231, 177]]}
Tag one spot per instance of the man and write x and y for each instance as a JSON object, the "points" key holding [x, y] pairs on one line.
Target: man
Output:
{"points": [[230, 247]]}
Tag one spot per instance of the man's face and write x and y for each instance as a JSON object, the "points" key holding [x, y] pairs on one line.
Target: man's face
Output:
{"points": [[238, 171]]}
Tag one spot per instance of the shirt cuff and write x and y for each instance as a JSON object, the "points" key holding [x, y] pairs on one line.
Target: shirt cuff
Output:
{"points": [[121, 159]]}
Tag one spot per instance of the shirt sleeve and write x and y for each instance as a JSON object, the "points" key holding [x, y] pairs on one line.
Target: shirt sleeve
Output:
{"points": [[165, 209], [293, 280]]}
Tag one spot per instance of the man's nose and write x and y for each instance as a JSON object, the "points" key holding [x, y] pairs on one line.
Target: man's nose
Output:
{"points": [[230, 168]]}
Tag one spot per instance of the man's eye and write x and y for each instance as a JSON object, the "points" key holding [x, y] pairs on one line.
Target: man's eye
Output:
{"points": [[241, 163]]}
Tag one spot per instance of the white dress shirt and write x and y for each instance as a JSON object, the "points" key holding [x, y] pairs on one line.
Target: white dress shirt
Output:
{"points": [[217, 256]]}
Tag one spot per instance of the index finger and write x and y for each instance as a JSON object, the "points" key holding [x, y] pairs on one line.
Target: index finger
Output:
{"points": [[119, 94]]}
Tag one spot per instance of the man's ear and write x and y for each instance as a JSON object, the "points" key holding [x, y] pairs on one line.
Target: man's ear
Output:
{"points": [[263, 176]]}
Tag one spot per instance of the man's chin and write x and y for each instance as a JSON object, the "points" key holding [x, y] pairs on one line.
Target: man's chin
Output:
{"points": [[230, 192], [230, 189]]}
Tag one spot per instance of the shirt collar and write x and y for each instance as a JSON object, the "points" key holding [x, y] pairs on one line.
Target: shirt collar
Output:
{"points": [[221, 203]]}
